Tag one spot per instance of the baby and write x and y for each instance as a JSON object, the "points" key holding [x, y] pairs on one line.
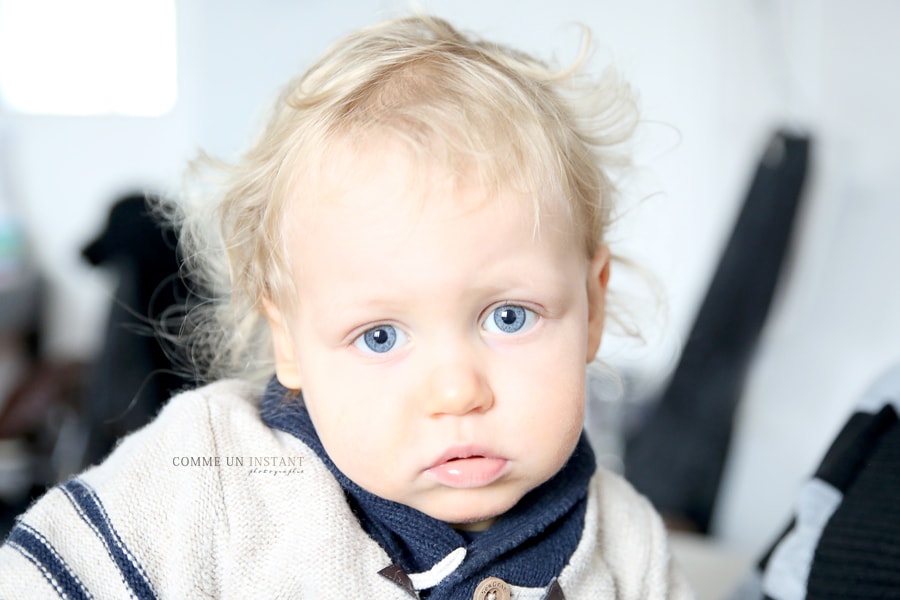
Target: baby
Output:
{"points": [[415, 246]]}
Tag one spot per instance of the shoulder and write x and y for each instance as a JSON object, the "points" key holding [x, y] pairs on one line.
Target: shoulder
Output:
{"points": [[205, 501], [624, 548], [139, 512], [212, 405], [187, 430]]}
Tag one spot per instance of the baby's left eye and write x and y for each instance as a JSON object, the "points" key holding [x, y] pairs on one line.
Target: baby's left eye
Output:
{"points": [[380, 339], [509, 319]]}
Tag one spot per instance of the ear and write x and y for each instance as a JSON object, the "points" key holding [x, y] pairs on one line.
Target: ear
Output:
{"points": [[286, 367], [598, 278]]}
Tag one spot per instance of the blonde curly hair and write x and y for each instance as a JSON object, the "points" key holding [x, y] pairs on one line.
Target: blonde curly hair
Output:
{"points": [[471, 105]]}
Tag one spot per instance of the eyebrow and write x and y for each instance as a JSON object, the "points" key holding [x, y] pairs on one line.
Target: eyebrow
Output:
{"points": [[544, 292]]}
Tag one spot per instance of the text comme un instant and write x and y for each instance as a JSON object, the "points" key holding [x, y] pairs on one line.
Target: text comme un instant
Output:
{"points": [[237, 461]]}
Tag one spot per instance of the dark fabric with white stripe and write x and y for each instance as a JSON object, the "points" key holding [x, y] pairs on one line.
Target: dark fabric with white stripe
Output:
{"points": [[858, 555], [857, 552]]}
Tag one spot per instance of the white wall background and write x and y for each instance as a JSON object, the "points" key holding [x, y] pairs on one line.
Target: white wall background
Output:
{"points": [[714, 78]]}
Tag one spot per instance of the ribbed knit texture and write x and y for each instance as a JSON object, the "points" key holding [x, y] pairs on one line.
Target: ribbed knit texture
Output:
{"points": [[528, 546], [845, 543], [858, 555]]}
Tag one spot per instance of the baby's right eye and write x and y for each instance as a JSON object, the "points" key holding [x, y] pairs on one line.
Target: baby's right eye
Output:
{"points": [[380, 339]]}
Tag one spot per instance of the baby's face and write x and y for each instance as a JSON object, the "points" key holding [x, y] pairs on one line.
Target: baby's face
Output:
{"points": [[440, 344]]}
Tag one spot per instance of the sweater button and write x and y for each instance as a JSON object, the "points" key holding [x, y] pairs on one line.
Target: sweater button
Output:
{"points": [[491, 588]]}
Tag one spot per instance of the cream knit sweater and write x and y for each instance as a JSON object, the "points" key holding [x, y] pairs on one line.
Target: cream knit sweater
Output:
{"points": [[208, 502]]}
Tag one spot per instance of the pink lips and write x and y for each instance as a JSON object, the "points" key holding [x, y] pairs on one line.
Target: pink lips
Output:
{"points": [[467, 467]]}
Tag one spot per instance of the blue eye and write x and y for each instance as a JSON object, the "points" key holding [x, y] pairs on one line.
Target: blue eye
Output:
{"points": [[380, 339], [510, 319]]}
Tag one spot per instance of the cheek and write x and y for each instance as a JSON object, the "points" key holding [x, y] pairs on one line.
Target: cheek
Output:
{"points": [[548, 391], [347, 434], [557, 384], [350, 409], [359, 432]]}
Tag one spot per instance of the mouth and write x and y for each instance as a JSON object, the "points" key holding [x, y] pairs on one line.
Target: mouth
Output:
{"points": [[466, 467], [466, 456]]}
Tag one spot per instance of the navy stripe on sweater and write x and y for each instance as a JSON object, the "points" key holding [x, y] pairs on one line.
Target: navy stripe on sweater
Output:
{"points": [[41, 553], [91, 510]]}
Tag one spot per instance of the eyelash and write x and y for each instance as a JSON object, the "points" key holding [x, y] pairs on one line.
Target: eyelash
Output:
{"points": [[365, 340], [495, 322]]}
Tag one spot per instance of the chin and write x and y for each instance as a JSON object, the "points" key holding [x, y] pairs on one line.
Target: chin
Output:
{"points": [[462, 515], [475, 524], [479, 525]]}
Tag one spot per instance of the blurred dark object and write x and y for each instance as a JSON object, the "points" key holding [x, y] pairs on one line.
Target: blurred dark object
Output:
{"points": [[677, 456], [138, 368], [46, 392], [844, 539], [42, 435]]}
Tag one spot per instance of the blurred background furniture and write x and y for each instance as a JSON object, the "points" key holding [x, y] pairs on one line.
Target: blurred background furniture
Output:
{"points": [[42, 433], [677, 456]]}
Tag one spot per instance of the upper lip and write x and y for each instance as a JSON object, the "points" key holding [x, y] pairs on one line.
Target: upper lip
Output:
{"points": [[458, 451]]}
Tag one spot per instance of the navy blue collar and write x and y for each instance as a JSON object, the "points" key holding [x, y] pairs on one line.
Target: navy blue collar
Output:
{"points": [[528, 546]]}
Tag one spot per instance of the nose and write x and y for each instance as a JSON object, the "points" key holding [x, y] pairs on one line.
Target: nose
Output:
{"points": [[457, 389]]}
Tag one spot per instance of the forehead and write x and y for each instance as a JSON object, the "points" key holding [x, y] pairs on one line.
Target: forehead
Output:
{"points": [[378, 171], [382, 230], [378, 217]]}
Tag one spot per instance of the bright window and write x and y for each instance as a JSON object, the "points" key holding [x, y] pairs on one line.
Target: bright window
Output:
{"points": [[88, 57]]}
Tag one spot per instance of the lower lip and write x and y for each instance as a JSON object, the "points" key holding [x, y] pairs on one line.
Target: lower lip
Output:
{"points": [[468, 472]]}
